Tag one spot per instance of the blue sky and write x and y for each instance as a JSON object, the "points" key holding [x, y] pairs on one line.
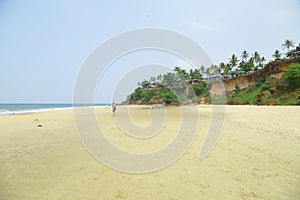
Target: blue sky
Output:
{"points": [[44, 43]]}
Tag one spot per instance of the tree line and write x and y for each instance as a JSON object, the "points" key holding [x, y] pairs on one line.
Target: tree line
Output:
{"points": [[171, 88], [248, 63], [182, 86]]}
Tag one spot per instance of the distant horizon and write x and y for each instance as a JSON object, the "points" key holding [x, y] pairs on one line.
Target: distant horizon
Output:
{"points": [[48, 103]]}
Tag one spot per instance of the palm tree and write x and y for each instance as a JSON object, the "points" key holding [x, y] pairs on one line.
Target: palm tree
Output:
{"points": [[152, 79], [277, 55], [288, 43], [256, 57], [197, 74], [169, 79], [241, 65], [233, 61], [294, 53], [191, 74], [207, 72], [227, 68], [181, 72], [177, 69], [222, 66], [159, 77], [202, 69], [245, 55], [214, 70], [261, 62], [250, 64], [298, 47], [145, 83]]}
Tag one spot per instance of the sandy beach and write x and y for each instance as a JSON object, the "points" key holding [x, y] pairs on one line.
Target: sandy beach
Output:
{"points": [[257, 156]]}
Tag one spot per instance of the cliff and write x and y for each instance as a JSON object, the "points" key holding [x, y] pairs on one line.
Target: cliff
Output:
{"points": [[273, 69]]}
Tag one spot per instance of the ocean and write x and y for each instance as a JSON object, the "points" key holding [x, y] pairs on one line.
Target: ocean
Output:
{"points": [[21, 108]]}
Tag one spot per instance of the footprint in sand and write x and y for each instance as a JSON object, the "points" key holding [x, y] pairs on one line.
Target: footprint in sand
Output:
{"points": [[120, 195], [37, 121]]}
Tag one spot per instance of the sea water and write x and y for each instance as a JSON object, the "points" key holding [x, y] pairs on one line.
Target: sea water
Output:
{"points": [[20, 108]]}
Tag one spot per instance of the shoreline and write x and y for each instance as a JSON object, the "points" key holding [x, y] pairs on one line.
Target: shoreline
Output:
{"points": [[32, 111], [23, 112], [39, 110]]}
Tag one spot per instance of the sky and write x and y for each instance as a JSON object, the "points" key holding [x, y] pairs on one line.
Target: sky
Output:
{"points": [[43, 44]]}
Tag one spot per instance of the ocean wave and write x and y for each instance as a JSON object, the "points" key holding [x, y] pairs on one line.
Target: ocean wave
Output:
{"points": [[4, 111], [18, 112], [14, 109]]}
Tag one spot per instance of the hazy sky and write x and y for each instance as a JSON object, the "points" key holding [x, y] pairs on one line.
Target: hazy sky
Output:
{"points": [[44, 43]]}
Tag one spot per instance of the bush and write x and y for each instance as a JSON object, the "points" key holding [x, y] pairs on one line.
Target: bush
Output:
{"points": [[292, 77], [136, 95], [261, 81], [266, 85], [170, 97], [200, 89]]}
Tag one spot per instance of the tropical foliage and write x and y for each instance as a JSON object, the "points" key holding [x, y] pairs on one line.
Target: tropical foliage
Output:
{"points": [[182, 86], [175, 87], [292, 77]]}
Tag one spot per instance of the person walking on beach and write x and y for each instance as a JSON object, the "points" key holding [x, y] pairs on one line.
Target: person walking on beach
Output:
{"points": [[114, 108]]}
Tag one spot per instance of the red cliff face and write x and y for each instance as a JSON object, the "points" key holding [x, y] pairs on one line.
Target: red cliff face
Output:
{"points": [[273, 69], [217, 88]]}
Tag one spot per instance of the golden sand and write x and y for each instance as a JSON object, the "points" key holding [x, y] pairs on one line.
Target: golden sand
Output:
{"points": [[257, 157]]}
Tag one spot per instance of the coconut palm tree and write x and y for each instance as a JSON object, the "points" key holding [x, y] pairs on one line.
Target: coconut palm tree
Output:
{"points": [[202, 69], [222, 66], [169, 79], [181, 73], [197, 74], [262, 60], [233, 61], [214, 70], [227, 68], [294, 53], [152, 79], [256, 57], [159, 77], [207, 72], [177, 69], [288, 43], [277, 55], [243, 63], [245, 55], [250, 64], [145, 83]]}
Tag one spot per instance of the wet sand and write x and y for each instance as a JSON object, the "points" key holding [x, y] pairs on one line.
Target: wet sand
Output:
{"points": [[257, 156]]}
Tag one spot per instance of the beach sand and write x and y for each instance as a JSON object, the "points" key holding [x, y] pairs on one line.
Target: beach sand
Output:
{"points": [[257, 156]]}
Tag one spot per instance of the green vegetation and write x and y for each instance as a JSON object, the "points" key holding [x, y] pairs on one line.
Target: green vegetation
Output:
{"points": [[292, 77], [171, 88], [182, 87], [271, 91]]}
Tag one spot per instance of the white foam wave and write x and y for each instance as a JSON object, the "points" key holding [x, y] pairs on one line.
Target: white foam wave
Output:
{"points": [[18, 112]]}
